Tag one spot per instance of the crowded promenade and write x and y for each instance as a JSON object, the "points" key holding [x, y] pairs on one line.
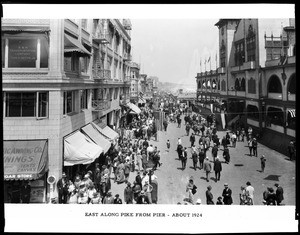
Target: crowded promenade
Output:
{"points": [[188, 162]]}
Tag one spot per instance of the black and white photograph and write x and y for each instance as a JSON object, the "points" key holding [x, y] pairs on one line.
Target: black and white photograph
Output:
{"points": [[188, 109]]}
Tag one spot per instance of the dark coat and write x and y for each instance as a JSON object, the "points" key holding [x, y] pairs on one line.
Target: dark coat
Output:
{"points": [[217, 166], [227, 199], [279, 194], [209, 198], [214, 151], [128, 195]]}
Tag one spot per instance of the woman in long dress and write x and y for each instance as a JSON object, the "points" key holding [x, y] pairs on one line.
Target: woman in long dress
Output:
{"points": [[120, 173]]}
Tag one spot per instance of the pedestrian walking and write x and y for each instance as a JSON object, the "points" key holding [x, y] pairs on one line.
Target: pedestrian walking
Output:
{"points": [[224, 142], [269, 197], [217, 169], [250, 193], [250, 145], [279, 194], [147, 188], [243, 134], [209, 196], [262, 163], [254, 147], [227, 199], [192, 139], [184, 158], [202, 156], [168, 145], [128, 194], [195, 159], [191, 189], [238, 135], [165, 124], [187, 129], [207, 168], [214, 151], [226, 155], [292, 150], [243, 196], [233, 139]]}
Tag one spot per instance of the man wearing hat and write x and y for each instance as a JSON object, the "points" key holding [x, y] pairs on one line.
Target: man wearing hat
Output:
{"points": [[209, 196], [262, 163], [142, 199], [198, 202], [128, 194], [117, 199], [279, 194], [227, 199], [217, 168], [62, 186], [214, 151], [207, 168]]}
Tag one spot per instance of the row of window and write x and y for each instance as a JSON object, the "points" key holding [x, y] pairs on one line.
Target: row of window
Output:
{"points": [[36, 104]]}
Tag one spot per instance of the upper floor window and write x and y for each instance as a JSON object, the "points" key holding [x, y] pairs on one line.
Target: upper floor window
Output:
{"points": [[69, 102], [26, 104], [84, 23], [239, 55], [84, 64], [251, 45], [83, 99], [25, 50]]}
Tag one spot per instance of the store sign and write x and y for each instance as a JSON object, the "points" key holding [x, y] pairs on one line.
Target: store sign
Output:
{"points": [[22, 53]]}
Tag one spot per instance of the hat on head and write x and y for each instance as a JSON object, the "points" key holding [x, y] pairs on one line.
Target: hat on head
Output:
{"points": [[226, 184], [276, 185], [108, 193], [248, 183], [63, 174], [128, 183], [198, 202], [209, 187], [142, 192], [86, 176], [117, 195], [90, 172]]}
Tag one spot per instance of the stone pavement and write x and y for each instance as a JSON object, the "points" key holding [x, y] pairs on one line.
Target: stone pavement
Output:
{"points": [[172, 179]]}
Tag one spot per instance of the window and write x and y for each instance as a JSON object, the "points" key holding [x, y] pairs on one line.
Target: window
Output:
{"points": [[26, 104], [84, 23], [251, 86], [115, 68], [237, 85], [71, 63], [252, 112], [223, 55], [243, 85], [116, 93], [83, 99], [291, 119], [69, 102], [274, 85], [25, 50], [239, 55], [84, 62], [275, 116]]}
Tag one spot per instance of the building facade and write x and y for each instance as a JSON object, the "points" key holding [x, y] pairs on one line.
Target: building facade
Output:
{"points": [[59, 76], [253, 83]]}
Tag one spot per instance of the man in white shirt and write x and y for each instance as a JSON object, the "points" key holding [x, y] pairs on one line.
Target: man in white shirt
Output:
{"points": [[250, 192]]}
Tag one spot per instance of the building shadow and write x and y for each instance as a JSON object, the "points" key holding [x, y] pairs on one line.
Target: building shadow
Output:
{"points": [[272, 177]]}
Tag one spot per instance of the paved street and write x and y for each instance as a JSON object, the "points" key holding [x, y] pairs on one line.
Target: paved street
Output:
{"points": [[172, 179]]}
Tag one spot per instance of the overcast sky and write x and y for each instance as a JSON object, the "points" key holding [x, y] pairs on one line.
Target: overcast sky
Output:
{"points": [[171, 48]]}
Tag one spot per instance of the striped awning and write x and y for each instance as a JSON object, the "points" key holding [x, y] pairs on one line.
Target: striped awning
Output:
{"points": [[292, 112], [73, 45]]}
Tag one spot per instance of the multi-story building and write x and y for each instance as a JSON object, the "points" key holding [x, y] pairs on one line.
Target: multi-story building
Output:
{"points": [[253, 84], [134, 76], [63, 82]]}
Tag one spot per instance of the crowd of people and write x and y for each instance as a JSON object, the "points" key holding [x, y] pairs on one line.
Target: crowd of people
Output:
{"points": [[134, 153]]}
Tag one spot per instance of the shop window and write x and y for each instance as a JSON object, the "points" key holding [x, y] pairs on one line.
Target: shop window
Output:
{"points": [[274, 85], [251, 86], [83, 99], [69, 102], [116, 93], [252, 112], [26, 104], [25, 50], [291, 120], [275, 116]]}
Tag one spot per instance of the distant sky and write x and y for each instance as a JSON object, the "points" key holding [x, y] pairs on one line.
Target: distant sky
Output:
{"points": [[171, 49]]}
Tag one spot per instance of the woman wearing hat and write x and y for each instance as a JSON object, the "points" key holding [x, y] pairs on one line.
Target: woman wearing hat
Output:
{"points": [[108, 199], [82, 194]]}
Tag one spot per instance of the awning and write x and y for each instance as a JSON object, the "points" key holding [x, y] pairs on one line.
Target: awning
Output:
{"points": [[97, 137], [25, 159], [79, 149], [133, 107], [25, 29], [292, 112], [73, 45], [106, 131]]}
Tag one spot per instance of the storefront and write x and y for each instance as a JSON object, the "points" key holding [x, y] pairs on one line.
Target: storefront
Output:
{"points": [[25, 161], [80, 153], [106, 131]]}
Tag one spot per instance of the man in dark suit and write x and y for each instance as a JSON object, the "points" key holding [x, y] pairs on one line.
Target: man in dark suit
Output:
{"points": [[25, 192], [227, 199], [279, 194], [62, 186], [217, 168]]}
